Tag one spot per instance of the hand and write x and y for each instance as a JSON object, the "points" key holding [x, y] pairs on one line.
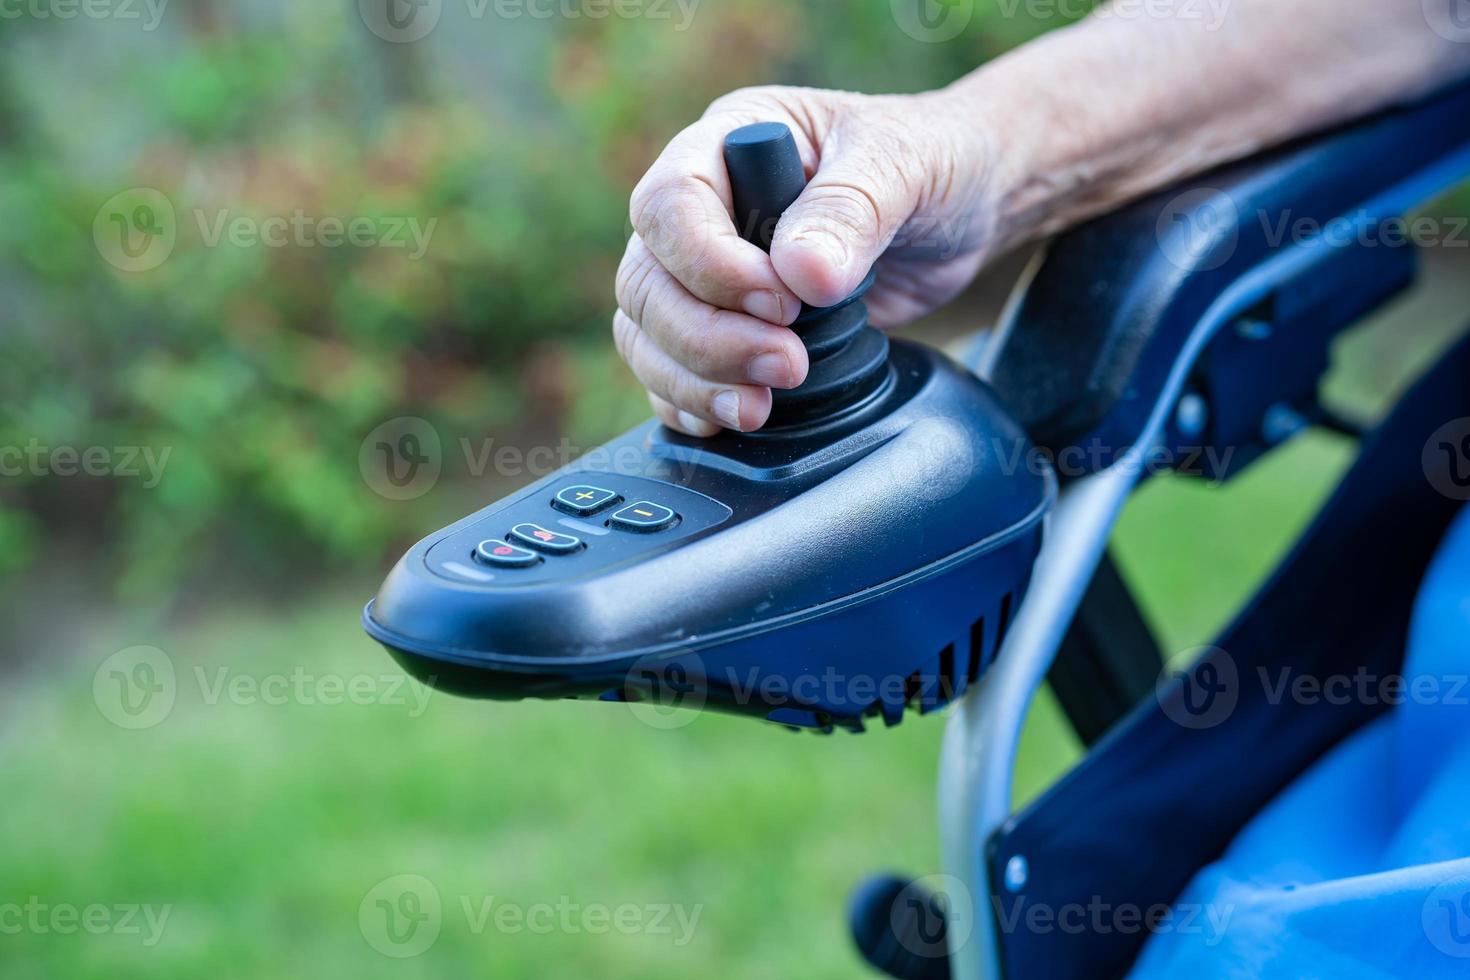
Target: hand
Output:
{"points": [[930, 186], [703, 314]]}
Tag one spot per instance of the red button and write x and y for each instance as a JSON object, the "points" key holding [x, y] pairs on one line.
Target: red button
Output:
{"points": [[506, 555]]}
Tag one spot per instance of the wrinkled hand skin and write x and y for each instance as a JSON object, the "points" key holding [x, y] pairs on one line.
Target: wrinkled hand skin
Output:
{"points": [[703, 314], [930, 187]]}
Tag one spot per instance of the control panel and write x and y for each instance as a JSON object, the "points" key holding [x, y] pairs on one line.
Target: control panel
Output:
{"points": [[580, 525], [877, 532]]}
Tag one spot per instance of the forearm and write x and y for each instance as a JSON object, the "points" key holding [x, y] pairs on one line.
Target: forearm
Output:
{"points": [[927, 188], [1089, 117]]}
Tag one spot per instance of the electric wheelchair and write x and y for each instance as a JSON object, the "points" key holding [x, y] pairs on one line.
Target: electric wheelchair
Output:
{"points": [[910, 533]]}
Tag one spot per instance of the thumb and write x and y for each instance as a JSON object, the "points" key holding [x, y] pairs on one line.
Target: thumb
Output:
{"points": [[830, 237]]}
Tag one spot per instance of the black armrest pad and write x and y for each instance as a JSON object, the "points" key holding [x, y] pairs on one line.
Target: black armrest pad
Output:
{"points": [[1093, 339]]}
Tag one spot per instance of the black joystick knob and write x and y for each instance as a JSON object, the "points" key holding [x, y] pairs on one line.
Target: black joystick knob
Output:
{"points": [[849, 359]]}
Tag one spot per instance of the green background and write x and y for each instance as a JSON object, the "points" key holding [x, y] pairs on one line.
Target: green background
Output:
{"points": [[263, 827]]}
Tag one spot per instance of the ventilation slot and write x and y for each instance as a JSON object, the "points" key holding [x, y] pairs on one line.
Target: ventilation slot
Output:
{"points": [[913, 686], [1003, 623], [977, 649], [947, 680]]}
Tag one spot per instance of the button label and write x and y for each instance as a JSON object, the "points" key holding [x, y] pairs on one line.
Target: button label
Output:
{"points": [[583, 499], [644, 515], [549, 541]]}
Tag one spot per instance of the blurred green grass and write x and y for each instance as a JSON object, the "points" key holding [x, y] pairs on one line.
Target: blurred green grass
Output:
{"points": [[265, 826]]}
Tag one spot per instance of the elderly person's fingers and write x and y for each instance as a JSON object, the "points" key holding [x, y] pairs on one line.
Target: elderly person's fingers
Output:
{"points": [[734, 406], [716, 344]]}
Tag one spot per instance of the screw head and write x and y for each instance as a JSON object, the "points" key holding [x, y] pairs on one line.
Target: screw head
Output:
{"points": [[1017, 873], [1191, 415]]}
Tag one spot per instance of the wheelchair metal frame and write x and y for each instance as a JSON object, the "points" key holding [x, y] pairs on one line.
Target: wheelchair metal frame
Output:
{"points": [[978, 757]]}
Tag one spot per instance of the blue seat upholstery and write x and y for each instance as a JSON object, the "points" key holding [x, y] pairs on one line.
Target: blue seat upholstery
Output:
{"points": [[1361, 868]]}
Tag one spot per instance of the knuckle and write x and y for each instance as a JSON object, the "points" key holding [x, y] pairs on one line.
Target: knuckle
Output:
{"points": [[623, 331], [749, 98], [812, 112], [623, 280], [635, 281], [652, 368], [891, 152], [672, 221], [665, 412], [691, 394], [852, 210], [708, 271], [702, 347], [631, 344], [645, 193]]}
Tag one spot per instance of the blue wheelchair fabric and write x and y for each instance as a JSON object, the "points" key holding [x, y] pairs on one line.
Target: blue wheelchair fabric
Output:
{"points": [[1360, 868]]}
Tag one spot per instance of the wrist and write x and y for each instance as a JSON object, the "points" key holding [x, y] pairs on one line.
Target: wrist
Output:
{"points": [[1050, 153], [1089, 117], [952, 151]]}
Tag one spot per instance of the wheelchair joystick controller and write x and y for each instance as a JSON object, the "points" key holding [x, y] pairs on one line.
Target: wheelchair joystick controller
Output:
{"points": [[849, 359], [859, 555]]}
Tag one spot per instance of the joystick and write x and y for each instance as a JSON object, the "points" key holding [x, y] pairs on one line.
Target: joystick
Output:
{"points": [[849, 358], [860, 555]]}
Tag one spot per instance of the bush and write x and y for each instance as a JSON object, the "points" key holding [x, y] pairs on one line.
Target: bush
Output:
{"points": [[260, 370]]}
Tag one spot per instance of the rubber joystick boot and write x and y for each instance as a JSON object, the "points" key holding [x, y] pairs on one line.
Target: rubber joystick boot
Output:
{"points": [[849, 358]]}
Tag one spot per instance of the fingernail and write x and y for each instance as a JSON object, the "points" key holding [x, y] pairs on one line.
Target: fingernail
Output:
{"points": [[772, 369], [765, 304], [727, 409]]}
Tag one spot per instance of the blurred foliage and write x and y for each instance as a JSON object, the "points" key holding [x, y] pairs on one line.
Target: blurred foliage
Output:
{"points": [[261, 369]]}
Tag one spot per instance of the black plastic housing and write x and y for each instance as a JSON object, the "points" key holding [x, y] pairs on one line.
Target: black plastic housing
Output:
{"points": [[1098, 329], [814, 578]]}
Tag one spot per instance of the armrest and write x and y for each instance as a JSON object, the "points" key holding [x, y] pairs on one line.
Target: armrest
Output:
{"points": [[1094, 342]]}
